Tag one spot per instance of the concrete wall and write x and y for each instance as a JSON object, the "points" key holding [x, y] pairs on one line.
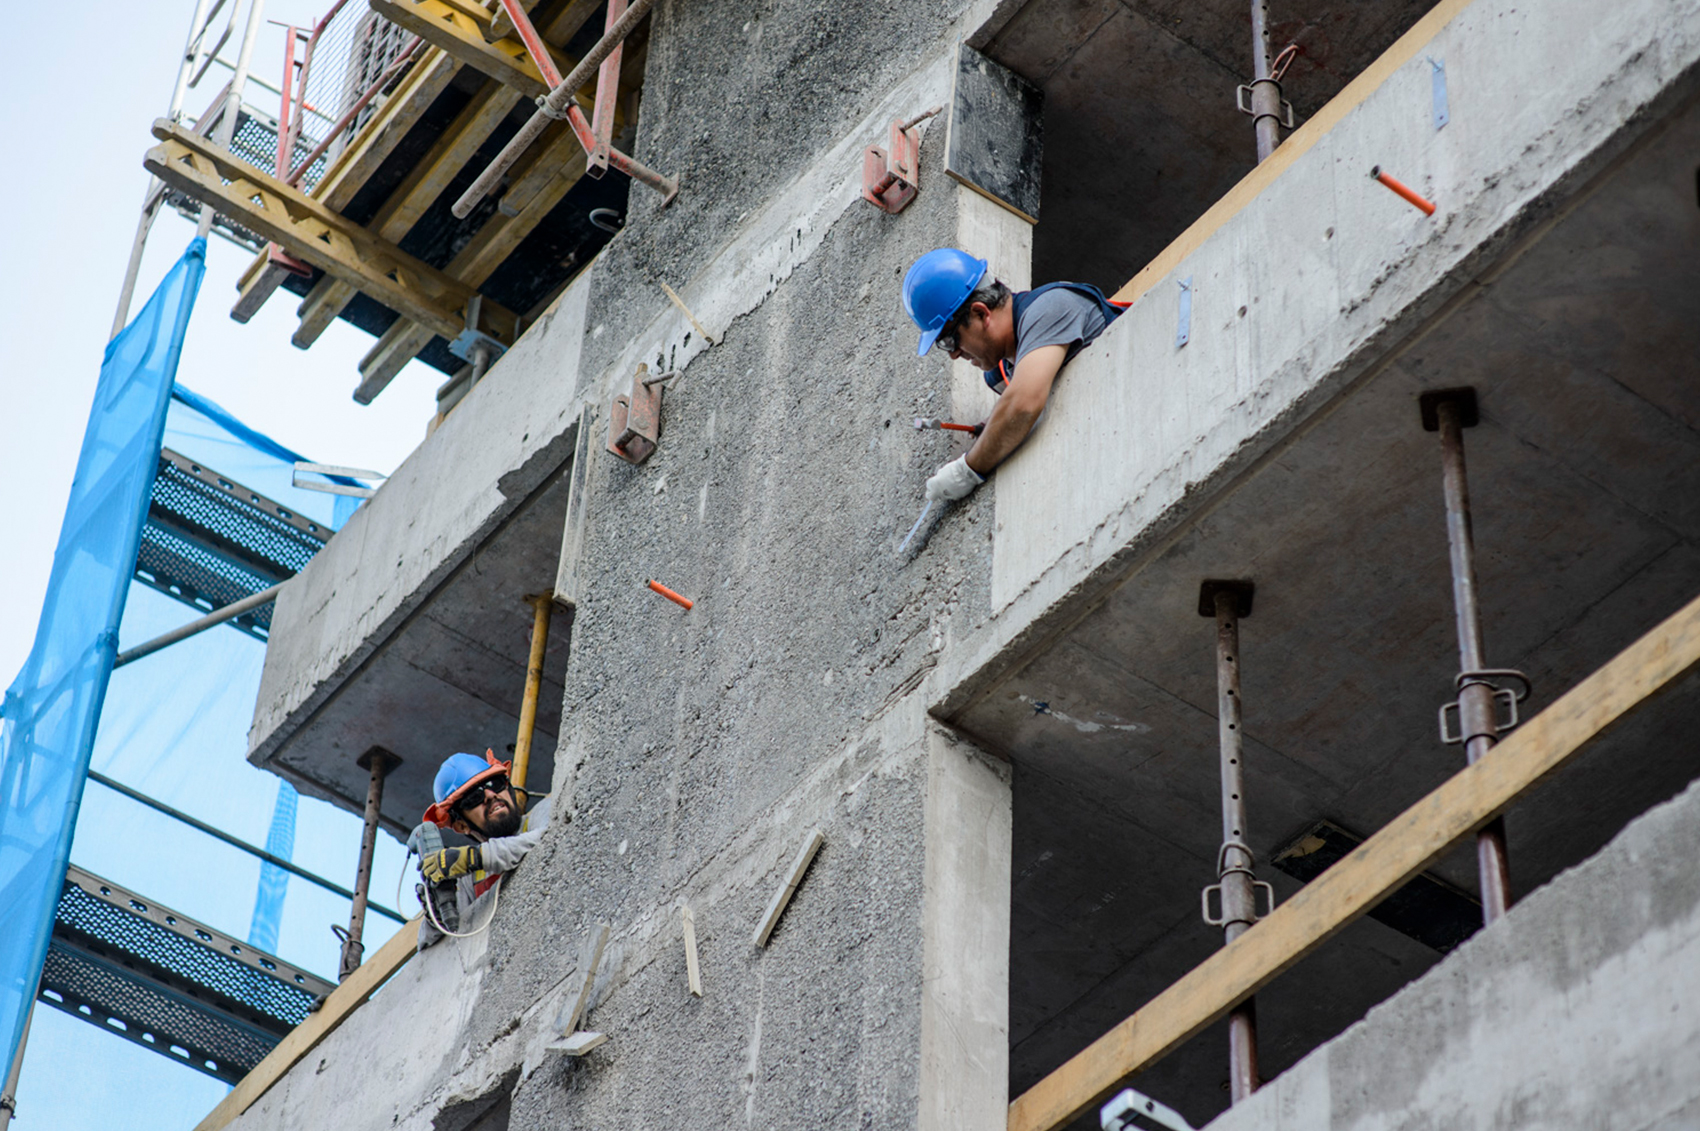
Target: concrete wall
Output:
{"points": [[697, 749], [1581, 1008], [1296, 288]]}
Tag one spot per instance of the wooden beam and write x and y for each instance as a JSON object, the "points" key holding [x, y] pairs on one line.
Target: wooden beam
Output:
{"points": [[310, 231], [782, 898], [558, 163], [398, 113], [1409, 843], [457, 28], [693, 971], [343, 1000], [457, 145]]}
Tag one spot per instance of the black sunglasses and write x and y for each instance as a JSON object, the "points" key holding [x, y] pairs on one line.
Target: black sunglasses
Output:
{"points": [[947, 336], [475, 793]]}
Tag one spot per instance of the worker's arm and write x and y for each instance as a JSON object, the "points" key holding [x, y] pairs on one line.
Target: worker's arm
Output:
{"points": [[501, 853], [1018, 409]]}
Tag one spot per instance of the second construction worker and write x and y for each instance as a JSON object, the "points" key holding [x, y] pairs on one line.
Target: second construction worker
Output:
{"points": [[475, 798], [1020, 340]]}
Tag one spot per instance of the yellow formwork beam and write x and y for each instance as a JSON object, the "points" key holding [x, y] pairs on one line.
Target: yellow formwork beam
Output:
{"points": [[471, 128], [457, 27], [538, 186], [313, 233]]}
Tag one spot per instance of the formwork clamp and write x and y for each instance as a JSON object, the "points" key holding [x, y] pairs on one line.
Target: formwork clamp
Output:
{"points": [[634, 421], [892, 176]]}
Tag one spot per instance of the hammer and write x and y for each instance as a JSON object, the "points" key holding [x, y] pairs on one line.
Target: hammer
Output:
{"points": [[922, 423]]}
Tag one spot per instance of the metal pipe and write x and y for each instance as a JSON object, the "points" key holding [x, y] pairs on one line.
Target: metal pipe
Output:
{"points": [[233, 100], [220, 834], [1476, 717], [349, 115], [1234, 865], [544, 605], [553, 105], [191, 52], [9, 1097], [378, 761], [156, 189], [211, 620], [1265, 91], [534, 45]]}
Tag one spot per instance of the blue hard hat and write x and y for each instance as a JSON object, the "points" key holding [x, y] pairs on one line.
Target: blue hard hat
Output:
{"points": [[457, 772], [939, 283]]}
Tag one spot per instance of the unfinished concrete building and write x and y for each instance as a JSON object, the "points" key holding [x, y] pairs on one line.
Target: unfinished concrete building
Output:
{"points": [[918, 838]]}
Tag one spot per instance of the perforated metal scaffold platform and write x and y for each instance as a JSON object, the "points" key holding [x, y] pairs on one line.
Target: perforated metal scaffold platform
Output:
{"points": [[209, 541], [169, 983]]}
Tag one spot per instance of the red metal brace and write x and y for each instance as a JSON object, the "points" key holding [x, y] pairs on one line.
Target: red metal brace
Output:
{"points": [[634, 423], [607, 94], [891, 177]]}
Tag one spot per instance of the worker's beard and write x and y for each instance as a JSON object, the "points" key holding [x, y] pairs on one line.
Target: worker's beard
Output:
{"points": [[504, 823]]}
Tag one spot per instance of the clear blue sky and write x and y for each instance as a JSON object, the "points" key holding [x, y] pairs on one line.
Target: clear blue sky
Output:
{"points": [[84, 91]]}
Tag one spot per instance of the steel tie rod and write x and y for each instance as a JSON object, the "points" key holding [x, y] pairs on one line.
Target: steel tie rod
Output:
{"points": [[557, 104]]}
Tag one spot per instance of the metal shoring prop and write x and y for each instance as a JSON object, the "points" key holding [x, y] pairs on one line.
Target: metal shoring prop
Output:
{"points": [[1236, 884], [1265, 90], [380, 762], [1449, 412]]}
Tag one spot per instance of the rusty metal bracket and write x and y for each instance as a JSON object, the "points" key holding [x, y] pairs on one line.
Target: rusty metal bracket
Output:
{"points": [[1507, 696], [634, 422], [891, 177]]}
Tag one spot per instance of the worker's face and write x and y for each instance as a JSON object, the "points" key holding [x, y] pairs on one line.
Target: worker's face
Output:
{"points": [[974, 338], [491, 813]]}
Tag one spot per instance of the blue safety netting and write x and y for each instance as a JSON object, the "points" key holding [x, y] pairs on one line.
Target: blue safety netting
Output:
{"points": [[52, 708]]}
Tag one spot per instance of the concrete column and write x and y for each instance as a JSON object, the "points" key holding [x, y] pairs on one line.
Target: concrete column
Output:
{"points": [[1005, 241], [965, 938]]}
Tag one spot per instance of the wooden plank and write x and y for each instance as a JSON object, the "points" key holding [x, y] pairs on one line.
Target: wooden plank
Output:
{"points": [[310, 231], [1409, 843], [1404, 49], [579, 1043], [471, 128], [395, 115], [458, 30], [590, 956], [380, 135], [993, 142], [556, 164], [305, 1037], [781, 898], [693, 972]]}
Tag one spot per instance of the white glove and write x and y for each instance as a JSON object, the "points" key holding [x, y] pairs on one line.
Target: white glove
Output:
{"points": [[953, 481]]}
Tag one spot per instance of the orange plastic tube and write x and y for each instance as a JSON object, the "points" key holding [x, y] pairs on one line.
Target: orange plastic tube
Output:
{"points": [[686, 602], [1404, 190]]}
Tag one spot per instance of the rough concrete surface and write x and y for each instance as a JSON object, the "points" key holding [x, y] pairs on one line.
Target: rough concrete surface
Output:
{"points": [[1581, 1008], [696, 748]]}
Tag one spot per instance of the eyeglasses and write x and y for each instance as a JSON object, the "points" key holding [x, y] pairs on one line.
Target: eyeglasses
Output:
{"points": [[947, 339], [475, 793]]}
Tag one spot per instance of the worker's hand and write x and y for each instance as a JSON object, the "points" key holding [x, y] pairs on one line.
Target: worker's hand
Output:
{"points": [[450, 863], [953, 481]]}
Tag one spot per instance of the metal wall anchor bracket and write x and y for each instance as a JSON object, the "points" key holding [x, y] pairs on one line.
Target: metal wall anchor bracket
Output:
{"points": [[892, 176], [1183, 325], [1437, 72], [1506, 696], [467, 343], [634, 422], [1242, 101], [1128, 1106]]}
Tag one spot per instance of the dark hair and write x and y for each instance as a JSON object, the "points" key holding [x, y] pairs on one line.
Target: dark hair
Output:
{"points": [[993, 294]]}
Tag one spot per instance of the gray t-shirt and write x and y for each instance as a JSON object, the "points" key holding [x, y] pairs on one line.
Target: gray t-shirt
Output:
{"points": [[1059, 317]]}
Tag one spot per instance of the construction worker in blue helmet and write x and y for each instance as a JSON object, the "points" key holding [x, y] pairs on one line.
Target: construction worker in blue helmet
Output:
{"points": [[1020, 341], [475, 797]]}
